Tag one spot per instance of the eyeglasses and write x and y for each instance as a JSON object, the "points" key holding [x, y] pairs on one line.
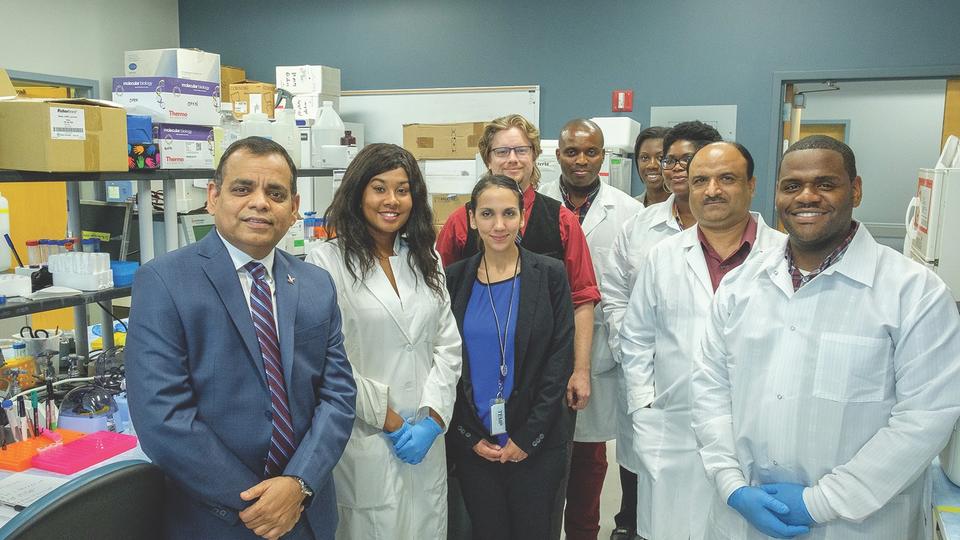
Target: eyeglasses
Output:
{"points": [[671, 162], [504, 151]]}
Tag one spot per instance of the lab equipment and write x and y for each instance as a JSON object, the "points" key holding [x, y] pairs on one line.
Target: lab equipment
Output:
{"points": [[934, 214], [84, 452], [256, 124], [413, 448], [39, 340], [285, 130], [12, 248], [761, 510], [87, 409], [90, 245], [33, 253], [19, 455], [83, 271], [309, 222], [792, 496], [31, 333]]}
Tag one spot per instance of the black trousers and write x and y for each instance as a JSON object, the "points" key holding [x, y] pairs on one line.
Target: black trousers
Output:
{"points": [[626, 518], [511, 500]]}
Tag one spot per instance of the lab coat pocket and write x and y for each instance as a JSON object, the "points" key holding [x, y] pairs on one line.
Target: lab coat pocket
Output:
{"points": [[852, 368], [367, 474]]}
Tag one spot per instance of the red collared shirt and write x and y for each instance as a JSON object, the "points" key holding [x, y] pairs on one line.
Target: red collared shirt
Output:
{"points": [[717, 266], [576, 255]]}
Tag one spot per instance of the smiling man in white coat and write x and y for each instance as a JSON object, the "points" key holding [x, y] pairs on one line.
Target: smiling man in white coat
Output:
{"points": [[602, 211], [665, 317], [827, 379]]}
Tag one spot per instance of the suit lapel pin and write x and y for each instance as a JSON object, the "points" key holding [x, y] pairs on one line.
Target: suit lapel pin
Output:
{"points": [[290, 279]]}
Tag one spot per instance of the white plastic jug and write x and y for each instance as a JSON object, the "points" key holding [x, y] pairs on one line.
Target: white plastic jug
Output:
{"points": [[256, 125], [286, 133], [326, 132]]}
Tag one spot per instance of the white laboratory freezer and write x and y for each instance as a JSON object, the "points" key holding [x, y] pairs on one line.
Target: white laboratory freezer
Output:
{"points": [[935, 220]]}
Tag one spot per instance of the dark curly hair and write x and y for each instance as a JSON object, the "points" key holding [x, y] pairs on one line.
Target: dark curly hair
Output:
{"points": [[344, 217]]}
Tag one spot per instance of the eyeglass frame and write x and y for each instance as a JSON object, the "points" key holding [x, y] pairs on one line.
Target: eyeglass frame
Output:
{"points": [[684, 161], [512, 149]]}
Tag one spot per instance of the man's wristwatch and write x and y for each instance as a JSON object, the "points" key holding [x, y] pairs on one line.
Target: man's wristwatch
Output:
{"points": [[304, 489]]}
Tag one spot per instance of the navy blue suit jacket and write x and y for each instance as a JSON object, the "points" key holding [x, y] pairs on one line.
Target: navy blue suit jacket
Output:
{"points": [[198, 395]]}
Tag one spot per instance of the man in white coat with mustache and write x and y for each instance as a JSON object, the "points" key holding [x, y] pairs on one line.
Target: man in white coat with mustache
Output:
{"points": [[667, 311]]}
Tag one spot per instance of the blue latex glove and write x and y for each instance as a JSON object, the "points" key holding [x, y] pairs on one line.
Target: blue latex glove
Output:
{"points": [[396, 436], [762, 511], [792, 496], [413, 447]]}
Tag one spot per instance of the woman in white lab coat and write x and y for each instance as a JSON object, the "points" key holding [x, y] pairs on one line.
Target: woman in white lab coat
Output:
{"points": [[402, 342]]}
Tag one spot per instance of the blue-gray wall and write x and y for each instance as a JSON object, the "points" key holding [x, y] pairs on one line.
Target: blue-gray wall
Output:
{"points": [[670, 52]]}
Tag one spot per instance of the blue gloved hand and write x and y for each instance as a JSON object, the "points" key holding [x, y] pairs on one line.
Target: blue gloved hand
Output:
{"points": [[761, 510], [396, 436], [792, 496], [413, 447]]}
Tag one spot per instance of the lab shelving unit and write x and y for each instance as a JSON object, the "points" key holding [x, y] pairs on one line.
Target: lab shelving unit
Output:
{"points": [[143, 178]]}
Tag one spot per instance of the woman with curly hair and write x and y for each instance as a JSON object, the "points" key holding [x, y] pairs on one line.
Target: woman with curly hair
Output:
{"points": [[402, 341]]}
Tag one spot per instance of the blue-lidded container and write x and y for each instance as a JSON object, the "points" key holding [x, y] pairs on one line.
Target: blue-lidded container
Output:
{"points": [[123, 272]]}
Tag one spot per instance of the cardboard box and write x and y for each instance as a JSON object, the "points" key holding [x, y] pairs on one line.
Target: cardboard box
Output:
{"points": [[309, 79], [191, 64], [184, 147], [442, 141], [43, 92], [170, 101], [228, 76], [143, 156], [252, 96], [62, 135], [7, 91], [306, 106], [445, 204]]}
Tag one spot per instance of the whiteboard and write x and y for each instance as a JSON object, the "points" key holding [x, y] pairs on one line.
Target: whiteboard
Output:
{"points": [[384, 112]]}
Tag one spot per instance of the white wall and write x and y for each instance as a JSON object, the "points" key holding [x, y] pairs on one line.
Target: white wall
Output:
{"points": [[895, 128], [83, 38]]}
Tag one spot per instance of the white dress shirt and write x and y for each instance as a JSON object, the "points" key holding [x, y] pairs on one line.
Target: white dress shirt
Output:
{"points": [[239, 259], [847, 386]]}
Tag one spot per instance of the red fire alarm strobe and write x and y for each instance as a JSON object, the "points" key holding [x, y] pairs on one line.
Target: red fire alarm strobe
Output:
{"points": [[622, 101]]}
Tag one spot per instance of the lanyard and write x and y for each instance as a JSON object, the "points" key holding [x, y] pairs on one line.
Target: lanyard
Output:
{"points": [[502, 337]]}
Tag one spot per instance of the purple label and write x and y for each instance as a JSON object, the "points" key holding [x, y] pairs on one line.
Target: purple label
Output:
{"points": [[165, 84], [176, 132]]}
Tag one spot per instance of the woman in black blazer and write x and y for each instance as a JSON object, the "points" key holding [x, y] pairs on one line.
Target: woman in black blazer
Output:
{"points": [[510, 427]]}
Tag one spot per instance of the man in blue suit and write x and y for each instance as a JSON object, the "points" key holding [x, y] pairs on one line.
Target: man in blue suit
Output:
{"points": [[238, 383]]}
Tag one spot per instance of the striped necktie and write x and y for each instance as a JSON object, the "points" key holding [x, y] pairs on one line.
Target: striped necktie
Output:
{"points": [[261, 309]]}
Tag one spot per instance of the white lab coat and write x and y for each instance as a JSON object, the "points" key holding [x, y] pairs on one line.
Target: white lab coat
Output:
{"points": [[659, 340], [640, 233], [405, 352], [609, 211], [847, 386]]}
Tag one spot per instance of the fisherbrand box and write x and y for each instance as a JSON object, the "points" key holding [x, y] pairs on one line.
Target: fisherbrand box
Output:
{"points": [[184, 147], [168, 100]]}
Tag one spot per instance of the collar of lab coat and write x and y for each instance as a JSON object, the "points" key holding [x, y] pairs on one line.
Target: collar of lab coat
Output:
{"points": [[604, 202], [662, 213], [407, 284], [859, 263]]}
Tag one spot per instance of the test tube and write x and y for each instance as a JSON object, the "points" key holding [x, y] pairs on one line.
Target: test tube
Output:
{"points": [[19, 349], [33, 253], [90, 245], [44, 251]]}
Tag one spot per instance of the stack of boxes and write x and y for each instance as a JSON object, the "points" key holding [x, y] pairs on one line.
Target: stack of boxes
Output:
{"points": [[180, 90], [447, 154], [310, 86]]}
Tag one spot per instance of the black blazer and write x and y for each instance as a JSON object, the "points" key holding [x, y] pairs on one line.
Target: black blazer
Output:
{"points": [[537, 414]]}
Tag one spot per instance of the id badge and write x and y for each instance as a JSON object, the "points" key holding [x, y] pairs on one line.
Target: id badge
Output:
{"points": [[498, 417]]}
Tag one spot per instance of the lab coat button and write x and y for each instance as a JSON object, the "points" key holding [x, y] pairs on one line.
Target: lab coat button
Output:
{"points": [[775, 462], [779, 396], [792, 327], [409, 347]]}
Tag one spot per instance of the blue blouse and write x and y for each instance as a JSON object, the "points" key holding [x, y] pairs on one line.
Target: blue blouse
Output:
{"points": [[483, 345]]}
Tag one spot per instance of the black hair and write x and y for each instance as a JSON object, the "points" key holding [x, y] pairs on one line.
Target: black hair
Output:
{"points": [[822, 142], [653, 132], [258, 146], [740, 148], [695, 131], [344, 217], [494, 180]]}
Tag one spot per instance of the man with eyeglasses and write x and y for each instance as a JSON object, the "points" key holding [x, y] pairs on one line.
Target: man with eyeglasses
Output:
{"points": [[637, 236], [602, 210]]}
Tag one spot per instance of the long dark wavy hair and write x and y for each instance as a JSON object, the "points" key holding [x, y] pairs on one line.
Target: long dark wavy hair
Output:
{"points": [[344, 217]]}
